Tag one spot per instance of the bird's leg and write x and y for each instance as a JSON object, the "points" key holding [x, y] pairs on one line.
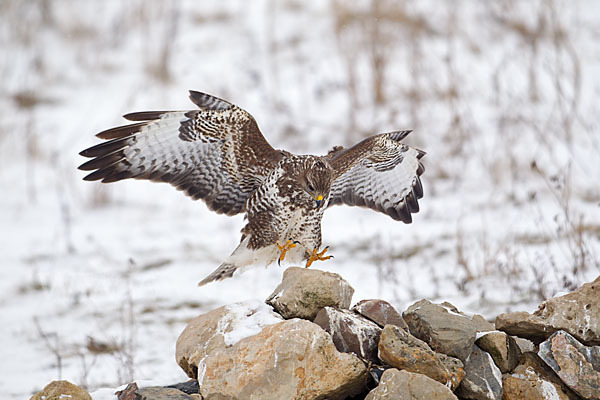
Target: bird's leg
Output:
{"points": [[317, 256], [284, 249]]}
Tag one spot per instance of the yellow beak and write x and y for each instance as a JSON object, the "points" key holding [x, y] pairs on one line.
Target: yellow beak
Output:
{"points": [[319, 200]]}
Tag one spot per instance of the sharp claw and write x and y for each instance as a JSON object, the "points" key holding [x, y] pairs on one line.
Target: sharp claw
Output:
{"points": [[284, 249], [317, 256]]}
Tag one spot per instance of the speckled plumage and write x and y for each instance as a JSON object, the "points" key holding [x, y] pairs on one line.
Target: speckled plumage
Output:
{"points": [[218, 154]]}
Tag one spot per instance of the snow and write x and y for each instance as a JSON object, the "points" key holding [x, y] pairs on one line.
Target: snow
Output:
{"points": [[247, 319], [503, 100]]}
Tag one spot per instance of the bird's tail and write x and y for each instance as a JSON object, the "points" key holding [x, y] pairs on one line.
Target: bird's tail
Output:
{"points": [[230, 265], [224, 271]]}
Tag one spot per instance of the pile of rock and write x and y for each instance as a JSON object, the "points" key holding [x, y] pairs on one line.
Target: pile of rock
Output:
{"points": [[306, 342], [312, 345]]}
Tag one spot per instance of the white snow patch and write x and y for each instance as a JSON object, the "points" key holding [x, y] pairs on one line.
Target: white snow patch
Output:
{"points": [[482, 334], [247, 319], [549, 391]]}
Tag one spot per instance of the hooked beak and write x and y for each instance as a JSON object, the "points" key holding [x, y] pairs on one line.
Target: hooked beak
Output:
{"points": [[319, 200]]}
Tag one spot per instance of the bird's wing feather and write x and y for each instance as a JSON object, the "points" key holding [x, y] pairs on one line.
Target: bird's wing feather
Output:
{"points": [[380, 173], [216, 153]]}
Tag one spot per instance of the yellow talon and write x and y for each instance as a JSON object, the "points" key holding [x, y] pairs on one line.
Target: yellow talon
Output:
{"points": [[284, 249], [317, 256]]}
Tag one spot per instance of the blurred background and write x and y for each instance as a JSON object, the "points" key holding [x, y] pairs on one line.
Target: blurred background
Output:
{"points": [[97, 281]]}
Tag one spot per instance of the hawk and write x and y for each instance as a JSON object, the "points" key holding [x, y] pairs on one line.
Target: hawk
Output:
{"points": [[218, 154]]}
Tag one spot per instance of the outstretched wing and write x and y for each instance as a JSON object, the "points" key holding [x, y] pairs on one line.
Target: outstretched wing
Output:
{"points": [[216, 153], [380, 173]]}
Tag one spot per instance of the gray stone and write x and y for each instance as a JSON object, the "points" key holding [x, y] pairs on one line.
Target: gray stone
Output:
{"points": [[401, 350], [381, 312], [483, 380], [303, 292], [294, 359], [442, 327], [577, 313], [351, 333], [576, 365], [404, 385], [525, 345], [218, 329], [503, 349]]}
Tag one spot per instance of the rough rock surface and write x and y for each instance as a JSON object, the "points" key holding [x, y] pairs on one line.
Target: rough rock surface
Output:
{"points": [[525, 345], [128, 393], [442, 327], [483, 380], [303, 292], [403, 351], [577, 366], [503, 349], [162, 393], [577, 312], [351, 333], [534, 380], [220, 328], [188, 387], [294, 359], [56, 390], [381, 312], [404, 385]]}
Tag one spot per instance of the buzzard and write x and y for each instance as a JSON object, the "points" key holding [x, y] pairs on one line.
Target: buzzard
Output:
{"points": [[218, 154]]}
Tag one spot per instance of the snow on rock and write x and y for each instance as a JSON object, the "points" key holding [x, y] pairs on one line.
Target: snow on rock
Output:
{"points": [[246, 319], [294, 359], [218, 329]]}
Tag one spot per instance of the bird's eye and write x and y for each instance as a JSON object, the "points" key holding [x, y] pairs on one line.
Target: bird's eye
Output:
{"points": [[311, 188]]}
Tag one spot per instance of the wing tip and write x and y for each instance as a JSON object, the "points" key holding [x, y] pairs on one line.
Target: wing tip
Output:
{"points": [[205, 101]]}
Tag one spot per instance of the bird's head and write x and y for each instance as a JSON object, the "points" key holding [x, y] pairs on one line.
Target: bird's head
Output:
{"points": [[316, 180]]}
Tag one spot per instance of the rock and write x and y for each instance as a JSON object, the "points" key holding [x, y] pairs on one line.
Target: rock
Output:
{"points": [[483, 379], [577, 312], [351, 333], [220, 328], [503, 349], [303, 292], [442, 327], [404, 385], [294, 359], [401, 350], [576, 365], [524, 345], [532, 379], [56, 390], [381, 312], [128, 393], [480, 323], [162, 393], [189, 387]]}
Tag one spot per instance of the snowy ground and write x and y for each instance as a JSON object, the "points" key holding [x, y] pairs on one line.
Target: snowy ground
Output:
{"points": [[98, 280]]}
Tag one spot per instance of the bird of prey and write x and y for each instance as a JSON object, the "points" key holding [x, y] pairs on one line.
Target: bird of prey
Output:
{"points": [[218, 154]]}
